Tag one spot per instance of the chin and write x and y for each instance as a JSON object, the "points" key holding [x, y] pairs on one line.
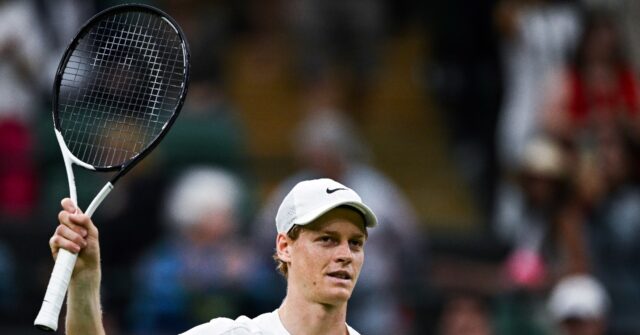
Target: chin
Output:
{"points": [[337, 297]]}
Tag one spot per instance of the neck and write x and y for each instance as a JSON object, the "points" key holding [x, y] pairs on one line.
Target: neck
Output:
{"points": [[300, 316]]}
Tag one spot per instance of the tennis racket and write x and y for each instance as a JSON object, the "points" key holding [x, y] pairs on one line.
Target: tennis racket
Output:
{"points": [[120, 86]]}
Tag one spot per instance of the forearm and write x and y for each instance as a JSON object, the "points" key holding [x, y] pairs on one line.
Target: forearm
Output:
{"points": [[84, 312]]}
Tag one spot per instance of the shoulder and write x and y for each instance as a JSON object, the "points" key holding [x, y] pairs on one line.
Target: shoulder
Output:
{"points": [[265, 324], [270, 321], [223, 326]]}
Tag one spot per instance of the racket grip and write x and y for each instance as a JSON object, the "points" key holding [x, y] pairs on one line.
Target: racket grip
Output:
{"points": [[48, 316]]}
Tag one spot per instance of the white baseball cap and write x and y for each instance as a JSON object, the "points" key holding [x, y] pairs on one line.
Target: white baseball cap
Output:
{"points": [[578, 296], [309, 199]]}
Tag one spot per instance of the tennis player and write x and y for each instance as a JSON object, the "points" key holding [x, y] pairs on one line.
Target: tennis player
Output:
{"points": [[322, 228]]}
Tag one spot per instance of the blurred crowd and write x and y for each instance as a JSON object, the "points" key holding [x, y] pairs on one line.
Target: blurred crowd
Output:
{"points": [[540, 103]]}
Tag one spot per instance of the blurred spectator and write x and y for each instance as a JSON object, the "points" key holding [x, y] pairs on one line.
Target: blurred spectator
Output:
{"points": [[598, 89], [527, 217], [335, 38], [579, 305], [465, 314], [538, 220], [327, 146], [537, 37], [203, 266], [22, 54], [612, 194]]}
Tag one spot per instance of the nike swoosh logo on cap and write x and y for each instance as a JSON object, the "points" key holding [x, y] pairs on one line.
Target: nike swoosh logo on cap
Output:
{"points": [[329, 191]]}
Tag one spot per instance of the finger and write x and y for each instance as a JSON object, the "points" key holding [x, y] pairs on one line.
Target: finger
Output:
{"points": [[54, 246], [77, 224], [57, 241], [70, 235], [85, 222], [68, 205]]}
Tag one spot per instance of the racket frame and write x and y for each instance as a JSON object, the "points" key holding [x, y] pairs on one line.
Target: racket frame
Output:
{"points": [[47, 318]]}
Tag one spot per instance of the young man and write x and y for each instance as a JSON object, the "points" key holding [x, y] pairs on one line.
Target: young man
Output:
{"points": [[322, 227]]}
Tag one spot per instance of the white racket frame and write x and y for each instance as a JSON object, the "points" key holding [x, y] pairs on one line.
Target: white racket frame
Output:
{"points": [[49, 314]]}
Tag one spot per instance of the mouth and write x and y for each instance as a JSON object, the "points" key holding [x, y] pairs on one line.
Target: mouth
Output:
{"points": [[342, 275]]}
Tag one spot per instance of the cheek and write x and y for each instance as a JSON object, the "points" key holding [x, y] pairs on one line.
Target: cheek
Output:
{"points": [[358, 261], [307, 261]]}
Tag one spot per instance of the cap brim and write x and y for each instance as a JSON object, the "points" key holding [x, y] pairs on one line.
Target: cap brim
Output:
{"points": [[369, 217]]}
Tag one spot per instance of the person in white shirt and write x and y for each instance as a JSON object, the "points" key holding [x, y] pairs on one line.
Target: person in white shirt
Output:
{"points": [[322, 228]]}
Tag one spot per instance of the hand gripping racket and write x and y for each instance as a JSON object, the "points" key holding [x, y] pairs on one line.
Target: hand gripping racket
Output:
{"points": [[120, 86]]}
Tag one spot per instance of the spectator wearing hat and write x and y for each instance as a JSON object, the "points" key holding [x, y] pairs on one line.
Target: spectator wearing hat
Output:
{"points": [[527, 217], [578, 305], [202, 266]]}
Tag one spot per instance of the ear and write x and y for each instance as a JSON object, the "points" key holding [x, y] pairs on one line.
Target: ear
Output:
{"points": [[283, 244]]}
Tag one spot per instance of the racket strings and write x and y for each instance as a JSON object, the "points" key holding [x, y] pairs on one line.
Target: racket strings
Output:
{"points": [[120, 87]]}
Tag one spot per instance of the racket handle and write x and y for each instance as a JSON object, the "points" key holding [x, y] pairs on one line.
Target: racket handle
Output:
{"points": [[48, 316]]}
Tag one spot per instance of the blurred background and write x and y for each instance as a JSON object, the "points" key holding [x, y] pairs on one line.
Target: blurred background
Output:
{"points": [[497, 141]]}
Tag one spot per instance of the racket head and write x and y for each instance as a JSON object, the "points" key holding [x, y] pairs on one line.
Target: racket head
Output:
{"points": [[119, 87]]}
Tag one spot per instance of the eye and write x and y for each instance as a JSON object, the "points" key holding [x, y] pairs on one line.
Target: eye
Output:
{"points": [[358, 244], [325, 239]]}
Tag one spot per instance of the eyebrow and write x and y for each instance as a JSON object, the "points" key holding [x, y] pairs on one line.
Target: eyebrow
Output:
{"points": [[334, 233]]}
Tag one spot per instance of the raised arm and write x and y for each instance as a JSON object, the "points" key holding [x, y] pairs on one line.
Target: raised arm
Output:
{"points": [[78, 234]]}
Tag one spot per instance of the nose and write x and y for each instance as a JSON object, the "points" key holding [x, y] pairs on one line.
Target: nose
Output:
{"points": [[343, 253]]}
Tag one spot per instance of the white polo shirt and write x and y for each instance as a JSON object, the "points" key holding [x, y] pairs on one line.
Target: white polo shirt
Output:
{"points": [[264, 324]]}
